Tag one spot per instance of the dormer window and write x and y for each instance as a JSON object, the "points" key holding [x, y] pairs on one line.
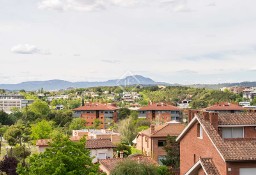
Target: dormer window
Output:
{"points": [[232, 132], [199, 131]]}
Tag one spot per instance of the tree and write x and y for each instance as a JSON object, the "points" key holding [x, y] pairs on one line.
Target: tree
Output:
{"points": [[19, 152], [172, 149], [5, 119], [40, 108], [77, 124], [123, 113], [61, 118], [41, 130], [131, 167], [63, 157], [96, 124], [127, 130], [9, 165], [125, 148]]}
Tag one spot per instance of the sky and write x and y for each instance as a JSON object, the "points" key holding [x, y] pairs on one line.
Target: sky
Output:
{"points": [[174, 41]]}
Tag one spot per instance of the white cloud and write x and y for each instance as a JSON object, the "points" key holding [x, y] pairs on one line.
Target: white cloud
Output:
{"points": [[29, 49], [25, 49], [91, 5]]}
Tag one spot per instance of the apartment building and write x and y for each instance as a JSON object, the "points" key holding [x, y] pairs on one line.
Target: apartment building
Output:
{"points": [[105, 113], [225, 107], [160, 112]]}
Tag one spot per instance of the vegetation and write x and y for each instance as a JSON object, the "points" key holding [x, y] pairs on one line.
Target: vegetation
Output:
{"points": [[63, 157]]}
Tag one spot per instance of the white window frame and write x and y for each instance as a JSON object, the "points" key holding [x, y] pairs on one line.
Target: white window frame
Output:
{"points": [[232, 132]]}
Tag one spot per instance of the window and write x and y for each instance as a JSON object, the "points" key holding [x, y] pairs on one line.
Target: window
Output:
{"points": [[101, 156], [199, 131], [235, 132], [161, 143]]}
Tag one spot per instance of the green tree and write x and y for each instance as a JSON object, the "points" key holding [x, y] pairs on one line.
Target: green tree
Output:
{"points": [[40, 108], [130, 167], [127, 130], [41, 130], [123, 113], [125, 148], [8, 165], [5, 119], [63, 157], [77, 124], [172, 148]]}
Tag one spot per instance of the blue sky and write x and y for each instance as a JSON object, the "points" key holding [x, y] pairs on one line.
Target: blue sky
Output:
{"points": [[176, 41]]}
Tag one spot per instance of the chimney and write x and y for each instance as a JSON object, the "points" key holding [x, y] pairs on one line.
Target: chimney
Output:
{"points": [[191, 114], [152, 129], [206, 115], [214, 119], [121, 154]]}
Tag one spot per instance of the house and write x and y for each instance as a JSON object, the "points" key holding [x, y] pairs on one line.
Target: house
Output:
{"points": [[151, 141], [109, 165], [42, 144], [160, 112], [225, 107], [218, 144], [105, 113], [100, 149]]}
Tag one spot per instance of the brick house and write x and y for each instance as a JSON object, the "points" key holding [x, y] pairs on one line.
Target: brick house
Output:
{"points": [[106, 113], [218, 144], [151, 141], [160, 112], [225, 107]]}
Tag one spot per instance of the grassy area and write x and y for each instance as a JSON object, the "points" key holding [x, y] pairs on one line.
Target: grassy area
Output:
{"points": [[135, 151]]}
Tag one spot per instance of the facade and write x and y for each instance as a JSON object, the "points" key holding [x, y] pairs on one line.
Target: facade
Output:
{"points": [[105, 113], [160, 112], [8, 102], [109, 165], [225, 107], [218, 144], [100, 149], [151, 141]]}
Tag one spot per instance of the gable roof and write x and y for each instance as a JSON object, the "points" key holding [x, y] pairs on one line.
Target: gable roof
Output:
{"points": [[237, 119], [99, 143], [172, 129], [110, 164], [96, 107], [206, 164], [229, 149], [225, 106], [43, 142], [159, 107]]}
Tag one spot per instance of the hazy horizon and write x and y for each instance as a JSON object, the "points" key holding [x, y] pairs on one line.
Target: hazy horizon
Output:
{"points": [[172, 41]]}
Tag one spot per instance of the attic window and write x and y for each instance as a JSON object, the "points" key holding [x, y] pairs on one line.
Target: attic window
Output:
{"points": [[199, 131]]}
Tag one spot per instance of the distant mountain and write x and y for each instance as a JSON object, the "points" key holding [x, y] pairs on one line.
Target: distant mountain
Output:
{"points": [[221, 85], [61, 84]]}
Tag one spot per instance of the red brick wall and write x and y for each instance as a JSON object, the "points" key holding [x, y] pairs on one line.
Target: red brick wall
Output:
{"points": [[190, 145], [158, 151], [235, 167], [161, 117]]}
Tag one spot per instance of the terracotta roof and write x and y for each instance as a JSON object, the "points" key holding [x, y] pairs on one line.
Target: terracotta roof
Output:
{"points": [[209, 166], [43, 142], [172, 129], [225, 106], [237, 119], [75, 138], [229, 149], [160, 107], [99, 143], [96, 107], [110, 164]]}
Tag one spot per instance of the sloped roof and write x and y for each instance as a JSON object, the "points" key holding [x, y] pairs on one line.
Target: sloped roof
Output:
{"points": [[110, 164], [237, 119], [172, 129], [96, 107], [160, 107], [225, 106], [99, 143], [229, 149], [206, 164], [43, 142]]}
